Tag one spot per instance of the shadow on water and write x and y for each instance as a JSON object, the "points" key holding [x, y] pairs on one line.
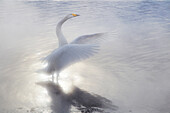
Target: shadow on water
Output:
{"points": [[82, 100]]}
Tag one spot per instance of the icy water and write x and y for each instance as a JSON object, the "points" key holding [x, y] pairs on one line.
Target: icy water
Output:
{"points": [[132, 69]]}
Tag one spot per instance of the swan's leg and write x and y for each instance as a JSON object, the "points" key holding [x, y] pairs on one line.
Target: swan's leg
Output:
{"points": [[57, 77], [52, 77]]}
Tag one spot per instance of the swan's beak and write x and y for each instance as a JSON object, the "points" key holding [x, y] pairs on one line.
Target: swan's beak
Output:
{"points": [[75, 15]]}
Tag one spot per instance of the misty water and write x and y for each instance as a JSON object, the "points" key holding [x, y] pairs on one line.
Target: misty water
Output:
{"points": [[132, 69]]}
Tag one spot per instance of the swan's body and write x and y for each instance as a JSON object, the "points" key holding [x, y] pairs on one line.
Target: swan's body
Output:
{"points": [[67, 54]]}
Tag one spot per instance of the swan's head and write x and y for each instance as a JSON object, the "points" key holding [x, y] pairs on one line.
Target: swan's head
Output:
{"points": [[71, 15]]}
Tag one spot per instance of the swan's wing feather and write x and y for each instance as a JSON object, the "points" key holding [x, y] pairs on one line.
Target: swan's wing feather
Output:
{"points": [[70, 54], [92, 38], [75, 53]]}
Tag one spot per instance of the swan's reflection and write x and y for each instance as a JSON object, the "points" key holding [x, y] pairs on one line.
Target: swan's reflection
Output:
{"points": [[81, 100]]}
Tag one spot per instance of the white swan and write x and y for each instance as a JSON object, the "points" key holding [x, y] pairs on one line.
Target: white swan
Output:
{"points": [[69, 53]]}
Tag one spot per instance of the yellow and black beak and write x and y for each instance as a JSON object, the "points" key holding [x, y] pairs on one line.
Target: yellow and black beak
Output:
{"points": [[75, 15]]}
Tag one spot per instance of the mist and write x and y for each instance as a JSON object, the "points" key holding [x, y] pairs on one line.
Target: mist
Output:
{"points": [[131, 70]]}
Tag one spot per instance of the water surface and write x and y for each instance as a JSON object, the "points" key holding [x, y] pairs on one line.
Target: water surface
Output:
{"points": [[132, 68]]}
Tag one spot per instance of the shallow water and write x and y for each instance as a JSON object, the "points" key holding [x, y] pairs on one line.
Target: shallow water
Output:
{"points": [[132, 68]]}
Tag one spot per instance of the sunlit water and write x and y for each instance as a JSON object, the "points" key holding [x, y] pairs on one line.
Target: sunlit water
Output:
{"points": [[132, 68]]}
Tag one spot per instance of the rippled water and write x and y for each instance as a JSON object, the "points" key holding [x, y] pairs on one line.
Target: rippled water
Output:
{"points": [[132, 69]]}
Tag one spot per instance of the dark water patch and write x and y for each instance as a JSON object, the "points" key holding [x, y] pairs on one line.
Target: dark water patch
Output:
{"points": [[80, 99]]}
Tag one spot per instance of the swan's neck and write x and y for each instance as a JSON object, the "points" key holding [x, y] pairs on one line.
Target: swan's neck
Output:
{"points": [[61, 39]]}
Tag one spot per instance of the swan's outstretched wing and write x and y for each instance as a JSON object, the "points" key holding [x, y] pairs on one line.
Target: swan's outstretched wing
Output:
{"points": [[85, 39], [70, 54]]}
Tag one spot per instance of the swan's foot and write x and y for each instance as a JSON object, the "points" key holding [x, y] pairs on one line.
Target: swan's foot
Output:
{"points": [[57, 78], [52, 78]]}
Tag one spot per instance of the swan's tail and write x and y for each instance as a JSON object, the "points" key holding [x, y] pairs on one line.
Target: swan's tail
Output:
{"points": [[47, 70]]}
